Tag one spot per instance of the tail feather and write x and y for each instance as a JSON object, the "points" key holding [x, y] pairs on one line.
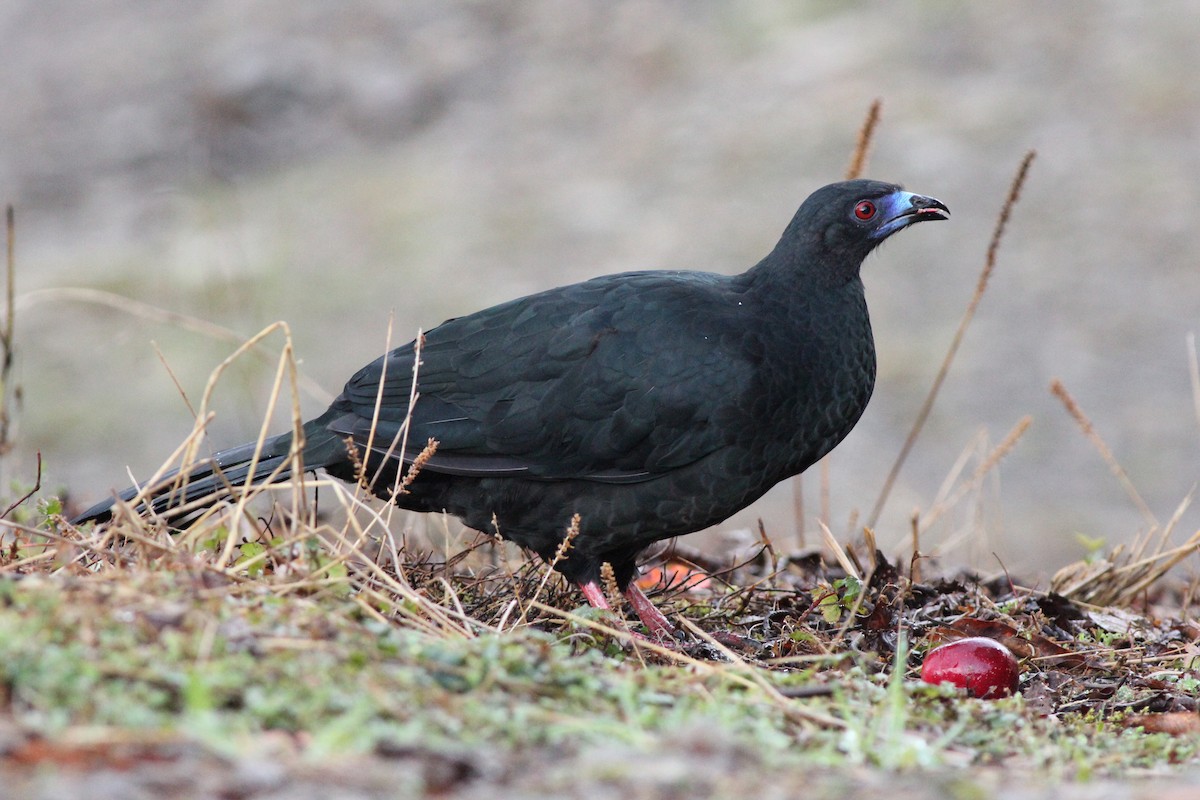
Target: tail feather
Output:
{"points": [[183, 493]]}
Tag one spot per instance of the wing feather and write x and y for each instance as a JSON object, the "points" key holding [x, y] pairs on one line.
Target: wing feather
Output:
{"points": [[572, 383]]}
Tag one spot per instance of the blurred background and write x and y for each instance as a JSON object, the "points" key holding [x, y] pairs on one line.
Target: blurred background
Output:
{"points": [[333, 165]]}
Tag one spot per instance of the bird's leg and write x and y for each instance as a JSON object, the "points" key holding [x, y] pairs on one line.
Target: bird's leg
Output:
{"points": [[595, 595], [659, 626], [662, 632], [660, 629]]}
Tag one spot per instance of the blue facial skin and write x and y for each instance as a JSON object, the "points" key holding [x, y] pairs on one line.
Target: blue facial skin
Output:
{"points": [[901, 209]]}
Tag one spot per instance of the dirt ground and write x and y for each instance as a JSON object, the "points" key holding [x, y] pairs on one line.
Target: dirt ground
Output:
{"points": [[690, 767], [693, 765]]}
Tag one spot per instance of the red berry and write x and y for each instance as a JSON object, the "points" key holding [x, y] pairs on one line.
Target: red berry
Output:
{"points": [[983, 667]]}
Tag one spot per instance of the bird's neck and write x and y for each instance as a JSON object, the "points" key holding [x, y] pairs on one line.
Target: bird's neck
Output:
{"points": [[803, 277], [797, 266]]}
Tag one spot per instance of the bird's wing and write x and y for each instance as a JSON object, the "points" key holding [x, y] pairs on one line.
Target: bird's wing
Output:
{"points": [[616, 379]]}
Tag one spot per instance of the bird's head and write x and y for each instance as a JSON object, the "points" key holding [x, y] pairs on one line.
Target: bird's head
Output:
{"points": [[839, 224]]}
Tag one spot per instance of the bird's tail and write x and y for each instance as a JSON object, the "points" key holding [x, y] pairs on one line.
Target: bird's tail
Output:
{"points": [[185, 492]]}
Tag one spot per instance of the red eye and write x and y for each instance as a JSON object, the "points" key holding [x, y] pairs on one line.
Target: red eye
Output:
{"points": [[864, 210]]}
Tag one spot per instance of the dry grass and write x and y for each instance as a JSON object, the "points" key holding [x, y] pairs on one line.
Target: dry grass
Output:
{"points": [[1124, 574]]}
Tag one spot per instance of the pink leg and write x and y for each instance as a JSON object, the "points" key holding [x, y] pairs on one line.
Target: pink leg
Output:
{"points": [[595, 595], [660, 629], [659, 626]]}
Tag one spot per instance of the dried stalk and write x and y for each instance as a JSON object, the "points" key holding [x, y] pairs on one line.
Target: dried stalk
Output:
{"points": [[1014, 194]]}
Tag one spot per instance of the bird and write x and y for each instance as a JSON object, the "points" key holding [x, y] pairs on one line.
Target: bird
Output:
{"points": [[626, 409]]}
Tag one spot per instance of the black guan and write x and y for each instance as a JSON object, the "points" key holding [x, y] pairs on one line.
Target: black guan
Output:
{"points": [[652, 404]]}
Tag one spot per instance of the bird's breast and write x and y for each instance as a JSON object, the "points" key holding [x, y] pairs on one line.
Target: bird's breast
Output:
{"points": [[815, 378]]}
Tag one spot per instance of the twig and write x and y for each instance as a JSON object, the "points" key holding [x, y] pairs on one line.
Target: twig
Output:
{"points": [[826, 489], [162, 359], [37, 487], [281, 370], [6, 336], [871, 547], [370, 444], [1014, 193], [985, 466], [413, 394], [564, 548], [187, 453], [914, 565], [417, 464], [863, 146], [798, 511], [770, 548], [1194, 373], [1085, 424], [136, 308], [842, 558]]}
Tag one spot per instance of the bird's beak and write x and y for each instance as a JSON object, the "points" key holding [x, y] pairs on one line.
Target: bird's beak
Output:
{"points": [[902, 209]]}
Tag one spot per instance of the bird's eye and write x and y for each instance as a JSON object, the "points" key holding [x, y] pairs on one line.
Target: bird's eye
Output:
{"points": [[864, 210]]}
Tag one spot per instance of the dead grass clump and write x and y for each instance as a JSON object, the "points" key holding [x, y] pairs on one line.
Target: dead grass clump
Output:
{"points": [[1125, 573]]}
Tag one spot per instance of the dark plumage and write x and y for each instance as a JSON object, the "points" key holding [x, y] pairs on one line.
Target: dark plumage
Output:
{"points": [[652, 404]]}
